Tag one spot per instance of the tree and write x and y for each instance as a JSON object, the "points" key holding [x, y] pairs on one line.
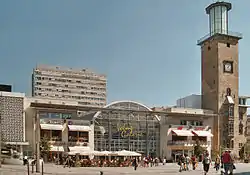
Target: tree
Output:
{"points": [[198, 149], [45, 145]]}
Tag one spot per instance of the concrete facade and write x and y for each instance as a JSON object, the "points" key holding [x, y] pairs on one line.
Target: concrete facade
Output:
{"points": [[12, 118], [84, 86], [186, 117], [35, 118]]}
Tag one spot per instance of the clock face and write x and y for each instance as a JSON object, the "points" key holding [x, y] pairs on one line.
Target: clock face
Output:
{"points": [[228, 67]]}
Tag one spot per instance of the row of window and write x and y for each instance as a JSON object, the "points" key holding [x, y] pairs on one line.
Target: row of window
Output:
{"points": [[103, 94], [68, 96], [191, 122], [87, 85], [83, 80]]}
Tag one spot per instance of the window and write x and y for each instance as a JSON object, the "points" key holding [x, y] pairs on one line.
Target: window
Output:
{"points": [[231, 128], [209, 48], [241, 129], [231, 111], [240, 145], [228, 92], [214, 81], [228, 44], [232, 144], [241, 115], [183, 122]]}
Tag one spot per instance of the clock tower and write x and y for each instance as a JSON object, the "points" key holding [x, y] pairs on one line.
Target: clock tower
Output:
{"points": [[220, 77]]}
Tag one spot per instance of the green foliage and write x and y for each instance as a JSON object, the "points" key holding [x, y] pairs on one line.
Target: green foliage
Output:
{"points": [[198, 149], [45, 146], [215, 153]]}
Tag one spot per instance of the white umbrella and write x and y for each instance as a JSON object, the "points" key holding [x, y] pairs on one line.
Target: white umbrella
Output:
{"points": [[135, 154], [124, 153], [105, 153]]}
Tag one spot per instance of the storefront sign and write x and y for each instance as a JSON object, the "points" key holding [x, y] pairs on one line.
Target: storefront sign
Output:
{"points": [[128, 132], [53, 115], [51, 121], [79, 122]]}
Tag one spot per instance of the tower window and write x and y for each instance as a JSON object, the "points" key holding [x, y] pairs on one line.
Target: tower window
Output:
{"points": [[214, 81], [241, 129], [228, 44], [228, 92], [209, 48]]}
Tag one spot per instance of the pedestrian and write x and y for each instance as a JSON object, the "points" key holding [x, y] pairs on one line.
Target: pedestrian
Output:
{"points": [[187, 162], [217, 163], [227, 163], [194, 161], [164, 161], [206, 163], [135, 164]]}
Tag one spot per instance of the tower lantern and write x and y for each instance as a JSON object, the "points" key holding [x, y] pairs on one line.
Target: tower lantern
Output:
{"points": [[218, 17]]}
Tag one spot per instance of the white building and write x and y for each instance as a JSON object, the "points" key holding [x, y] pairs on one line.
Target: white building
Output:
{"points": [[191, 101], [64, 129], [13, 119], [181, 129], [84, 86]]}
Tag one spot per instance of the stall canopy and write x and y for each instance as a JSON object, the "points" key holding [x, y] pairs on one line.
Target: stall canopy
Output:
{"points": [[79, 128], [202, 133], [51, 127], [183, 132]]}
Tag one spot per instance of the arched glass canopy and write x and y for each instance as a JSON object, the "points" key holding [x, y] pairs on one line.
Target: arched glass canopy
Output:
{"points": [[117, 131]]}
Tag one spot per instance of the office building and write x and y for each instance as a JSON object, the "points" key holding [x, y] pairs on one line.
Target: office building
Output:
{"points": [[84, 86]]}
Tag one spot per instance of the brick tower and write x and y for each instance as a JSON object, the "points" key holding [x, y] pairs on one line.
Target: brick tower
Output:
{"points": [[220, 76]]}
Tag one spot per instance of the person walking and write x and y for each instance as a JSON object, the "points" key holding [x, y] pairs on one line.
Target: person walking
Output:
{"points": [[206, 163], [194, 161], [217, 163], [227, 163], [187, 162], [135, 164]]}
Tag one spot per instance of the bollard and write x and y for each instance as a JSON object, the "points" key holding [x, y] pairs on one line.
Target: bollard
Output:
{"points": [[28, 168], [101, 173], [42, 167]]}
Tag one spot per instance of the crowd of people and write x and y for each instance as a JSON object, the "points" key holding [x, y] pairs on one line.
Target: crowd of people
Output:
{"points": [[225, 162], [73, 161]]}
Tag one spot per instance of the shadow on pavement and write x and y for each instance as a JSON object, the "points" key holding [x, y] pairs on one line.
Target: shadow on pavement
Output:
{"points": [[244, 173]]}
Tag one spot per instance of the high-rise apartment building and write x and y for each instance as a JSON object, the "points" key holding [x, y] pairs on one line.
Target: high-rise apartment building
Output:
{"points": [[84, 86]]}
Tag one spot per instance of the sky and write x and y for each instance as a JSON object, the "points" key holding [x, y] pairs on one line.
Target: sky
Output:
{"points": [[147, 48]]}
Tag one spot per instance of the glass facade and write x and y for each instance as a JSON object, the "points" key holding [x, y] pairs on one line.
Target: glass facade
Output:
{"points": [[218, 20], [124, 131]]}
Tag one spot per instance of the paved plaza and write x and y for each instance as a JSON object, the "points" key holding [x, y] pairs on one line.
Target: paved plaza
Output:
{"points": [[171, 169]]}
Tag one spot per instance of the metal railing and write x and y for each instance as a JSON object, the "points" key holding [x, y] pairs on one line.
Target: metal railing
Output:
{"points": [[220, 32], [186, 142]]}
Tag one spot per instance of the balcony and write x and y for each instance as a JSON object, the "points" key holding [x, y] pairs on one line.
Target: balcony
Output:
{"points": [[60, 143], [187, 143], [78, 144], [219, 32]]}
